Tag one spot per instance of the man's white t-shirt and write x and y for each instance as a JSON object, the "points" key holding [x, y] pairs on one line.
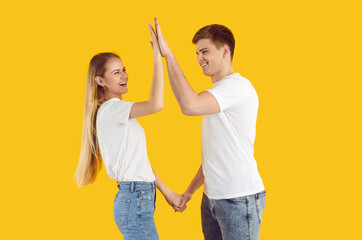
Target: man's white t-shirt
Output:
{"points": [[122, 143], [228, 163]]}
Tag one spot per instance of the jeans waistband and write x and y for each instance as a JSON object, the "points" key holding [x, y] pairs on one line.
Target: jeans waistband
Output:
{"points": [[133, 186]]}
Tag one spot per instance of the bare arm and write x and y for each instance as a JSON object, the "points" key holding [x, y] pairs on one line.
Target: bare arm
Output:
{"points": [[172, 198], [190, 102], [195, 184], [155, 101]]}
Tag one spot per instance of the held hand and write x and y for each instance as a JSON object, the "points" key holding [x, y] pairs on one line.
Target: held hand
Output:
{"points": [[154, 43], [165, 49], [173, 199], [185, 198]]}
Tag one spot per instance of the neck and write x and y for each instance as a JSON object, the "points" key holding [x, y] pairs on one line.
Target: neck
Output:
{"points": [[223, 73], [109, 96]]}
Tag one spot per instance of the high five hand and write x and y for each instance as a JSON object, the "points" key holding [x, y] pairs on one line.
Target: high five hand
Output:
{"points": [[165, 49], [154, 42]]}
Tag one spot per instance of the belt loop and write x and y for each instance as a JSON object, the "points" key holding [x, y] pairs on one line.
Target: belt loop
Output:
{"points": [[132, 186]]}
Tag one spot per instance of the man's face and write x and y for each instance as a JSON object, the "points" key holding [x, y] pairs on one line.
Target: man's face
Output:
{"points": [[209, 57]]}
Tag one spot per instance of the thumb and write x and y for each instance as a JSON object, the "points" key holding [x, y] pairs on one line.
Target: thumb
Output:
{"points": [[183, 201]]}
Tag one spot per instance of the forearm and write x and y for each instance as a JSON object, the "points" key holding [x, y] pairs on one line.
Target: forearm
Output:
{"points": [[157, 88], [196, 183], [181, 88], [160, 185]]}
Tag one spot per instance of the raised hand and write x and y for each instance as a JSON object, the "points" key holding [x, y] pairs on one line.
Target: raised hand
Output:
{"points": [[165, 49], [154, 42]]}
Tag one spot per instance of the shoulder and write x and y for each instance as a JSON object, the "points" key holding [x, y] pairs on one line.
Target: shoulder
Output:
{"points": [[233, 82], [115, 103], [234, 79], [114, 106]]}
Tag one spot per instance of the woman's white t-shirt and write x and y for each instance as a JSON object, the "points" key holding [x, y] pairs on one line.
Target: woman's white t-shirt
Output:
{"points": [[122, 143]]}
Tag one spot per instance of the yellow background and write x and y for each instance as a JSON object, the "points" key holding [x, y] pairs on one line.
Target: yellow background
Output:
{"points": [[303, 58]]}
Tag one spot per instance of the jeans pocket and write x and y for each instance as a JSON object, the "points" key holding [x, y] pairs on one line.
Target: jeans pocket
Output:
{"points": [[148, 196], [260, 204], [148, 203], [121, 211]]}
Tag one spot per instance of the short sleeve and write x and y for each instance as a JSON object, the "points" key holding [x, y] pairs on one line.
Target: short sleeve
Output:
{"points": [[229, 92], [119, 110]]}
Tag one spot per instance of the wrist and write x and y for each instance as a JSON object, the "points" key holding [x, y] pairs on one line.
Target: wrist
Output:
{"points": [[169, 56], [157, 54], [188, 193]]}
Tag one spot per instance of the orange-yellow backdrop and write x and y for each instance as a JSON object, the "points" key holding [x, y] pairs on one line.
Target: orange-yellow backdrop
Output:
{"points": [[303, 58]]}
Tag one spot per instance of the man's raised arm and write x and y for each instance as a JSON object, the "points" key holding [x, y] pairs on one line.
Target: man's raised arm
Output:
{"points": [[190, 102]]}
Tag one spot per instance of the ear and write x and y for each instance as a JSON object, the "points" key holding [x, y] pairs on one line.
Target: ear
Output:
{"points": [[226, 50], [99, 81]]}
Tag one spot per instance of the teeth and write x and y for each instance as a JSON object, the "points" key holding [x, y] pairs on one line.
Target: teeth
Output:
{"points": [[203, 65]]}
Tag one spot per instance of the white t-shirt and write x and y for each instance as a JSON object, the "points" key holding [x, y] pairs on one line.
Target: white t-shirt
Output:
{"points": [[122, 143], [227, 139]]}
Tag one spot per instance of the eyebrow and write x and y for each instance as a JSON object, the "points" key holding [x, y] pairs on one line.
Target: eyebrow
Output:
{"points": [[202, 49], [118, 69]]}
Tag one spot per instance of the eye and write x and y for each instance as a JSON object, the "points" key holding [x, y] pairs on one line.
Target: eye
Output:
{"points": [[116, 73], [124, 70], [203, 52]]}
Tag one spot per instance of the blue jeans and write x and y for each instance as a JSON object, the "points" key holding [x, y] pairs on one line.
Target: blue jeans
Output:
{"points": [[235, 218], [133, 209]]}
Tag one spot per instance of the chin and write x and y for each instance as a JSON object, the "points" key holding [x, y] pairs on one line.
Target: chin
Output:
{"points": [[207, 74]]}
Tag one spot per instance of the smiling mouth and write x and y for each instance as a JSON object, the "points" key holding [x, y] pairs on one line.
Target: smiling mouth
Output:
{"points": [[203, 65], [123, 84]]}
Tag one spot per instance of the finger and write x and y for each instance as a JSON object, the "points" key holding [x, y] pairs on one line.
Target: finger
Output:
{"points": [[178, 209], [182, 204], [151, 30], [157, 26], [154, 39], [153, 34], [180, 199], [183, 201], [181, 207]]}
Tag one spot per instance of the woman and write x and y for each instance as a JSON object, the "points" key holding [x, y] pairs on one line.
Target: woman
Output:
{"points": [[110, 130]]}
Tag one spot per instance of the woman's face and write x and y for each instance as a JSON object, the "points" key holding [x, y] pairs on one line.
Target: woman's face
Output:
{"points": [[115, 78]]}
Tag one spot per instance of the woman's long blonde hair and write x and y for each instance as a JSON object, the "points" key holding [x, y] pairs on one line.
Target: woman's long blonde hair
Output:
{"points": [[90, 160]]}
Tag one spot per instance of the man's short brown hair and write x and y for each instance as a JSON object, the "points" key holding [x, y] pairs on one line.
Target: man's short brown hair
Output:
{"points": [[218, 34]]}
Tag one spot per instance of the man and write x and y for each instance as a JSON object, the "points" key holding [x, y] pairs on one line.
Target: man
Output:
{"points": [[234, 195]]}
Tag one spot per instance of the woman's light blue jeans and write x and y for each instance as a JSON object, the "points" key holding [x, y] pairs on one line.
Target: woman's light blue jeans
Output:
{"points": [[232, 219], [133, 209]]}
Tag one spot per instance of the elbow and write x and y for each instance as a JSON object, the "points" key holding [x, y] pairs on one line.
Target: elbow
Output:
{"points": [[154, 106], [188, 111], [158, 107]]}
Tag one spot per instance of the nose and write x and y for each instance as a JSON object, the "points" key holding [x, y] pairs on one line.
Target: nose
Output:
{"points": [[124, 75], [199, 57]]}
